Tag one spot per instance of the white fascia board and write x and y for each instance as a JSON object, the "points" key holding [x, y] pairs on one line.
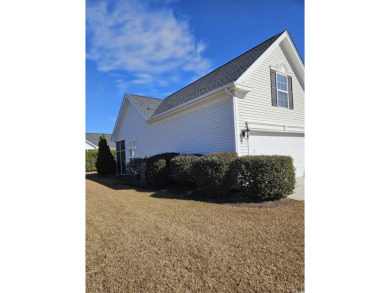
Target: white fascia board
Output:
{"points": [[91, 144], [191, 102], [242, 87], [253, 67], [120, 113], [117, 119], [139, 110], [295, 51]]}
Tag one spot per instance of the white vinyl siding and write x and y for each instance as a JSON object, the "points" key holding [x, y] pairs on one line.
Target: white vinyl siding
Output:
{"points": [[204, 128], [256, 107]]}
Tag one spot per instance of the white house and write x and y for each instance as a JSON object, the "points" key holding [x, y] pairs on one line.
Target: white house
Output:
{"points": [[261, 91], [92, 141]]}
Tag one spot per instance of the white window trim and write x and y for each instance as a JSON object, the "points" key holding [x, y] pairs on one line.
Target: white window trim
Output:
{"points": [[278, 90], [132, 146]]}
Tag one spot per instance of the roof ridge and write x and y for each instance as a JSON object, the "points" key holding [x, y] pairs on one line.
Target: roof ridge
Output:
{"points": [[225, 64]]}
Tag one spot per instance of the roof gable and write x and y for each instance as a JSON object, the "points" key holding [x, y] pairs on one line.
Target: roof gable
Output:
{"points": [[288, 47], [235, 71], [147, 105], [221, 76]]}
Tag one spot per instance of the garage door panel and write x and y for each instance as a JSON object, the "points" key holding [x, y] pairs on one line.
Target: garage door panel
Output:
{"points": [[279, 144]]}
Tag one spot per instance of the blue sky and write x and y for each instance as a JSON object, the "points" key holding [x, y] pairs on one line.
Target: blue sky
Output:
{"points": [[156, 47]]}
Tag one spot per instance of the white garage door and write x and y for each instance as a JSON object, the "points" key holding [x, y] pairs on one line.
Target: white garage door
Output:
{"points": [[287, 144]]}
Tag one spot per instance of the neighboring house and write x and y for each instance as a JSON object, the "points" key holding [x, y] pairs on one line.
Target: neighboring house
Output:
{"points": [[261, 90], [92, 141]]}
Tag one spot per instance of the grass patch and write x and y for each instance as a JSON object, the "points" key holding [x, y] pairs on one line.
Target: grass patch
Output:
{"points": [[139, 242]]}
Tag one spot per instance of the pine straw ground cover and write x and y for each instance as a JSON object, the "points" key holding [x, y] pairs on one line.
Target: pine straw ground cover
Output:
{"points": [[136, 242]]}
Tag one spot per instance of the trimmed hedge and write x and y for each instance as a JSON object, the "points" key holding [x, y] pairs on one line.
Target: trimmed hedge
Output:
{"points": [[90, 159], [265, 177], [133, 169], [213, 174], [181, 168], [158, 171]]}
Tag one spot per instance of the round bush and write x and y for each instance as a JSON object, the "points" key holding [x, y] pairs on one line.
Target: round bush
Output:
{"points": [[181, 168], [133, 170], [213, 173], [265, 177], [158, 171]]}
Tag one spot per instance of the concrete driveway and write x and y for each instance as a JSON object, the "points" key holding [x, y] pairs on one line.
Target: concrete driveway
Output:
{"points": [[299, 191]]}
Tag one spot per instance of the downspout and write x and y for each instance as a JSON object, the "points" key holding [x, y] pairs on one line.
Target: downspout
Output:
{"points": [[235, 119]]}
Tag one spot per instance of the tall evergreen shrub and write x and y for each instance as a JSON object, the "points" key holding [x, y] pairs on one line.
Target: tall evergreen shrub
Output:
{"points": [[105, 163]]}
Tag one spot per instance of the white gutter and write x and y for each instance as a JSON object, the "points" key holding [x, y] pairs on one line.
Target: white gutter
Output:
{"points": [[191, 102], [91, 144], [241, 87]]}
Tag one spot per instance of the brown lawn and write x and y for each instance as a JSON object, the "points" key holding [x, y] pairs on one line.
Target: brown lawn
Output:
{"points": [[136, 242]]}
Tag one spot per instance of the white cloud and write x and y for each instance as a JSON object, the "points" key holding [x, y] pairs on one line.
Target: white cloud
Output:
{"points": [[131, 36], [140, 79], [122, 85], [143, 78]]}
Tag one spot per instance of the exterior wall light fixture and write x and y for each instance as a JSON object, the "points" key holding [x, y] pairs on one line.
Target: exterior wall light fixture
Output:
{"points": [[245, 131]]}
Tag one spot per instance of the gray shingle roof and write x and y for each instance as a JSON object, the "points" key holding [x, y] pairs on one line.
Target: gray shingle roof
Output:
{"points": [[94, 138], [221, 76], [145, 104]]}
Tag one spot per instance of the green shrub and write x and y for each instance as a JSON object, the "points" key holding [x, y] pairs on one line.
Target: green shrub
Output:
{"points": [[105, 163], [158, 171], [265, 177], [133, 169], [181, 168], [91, 158], [212, 173]]}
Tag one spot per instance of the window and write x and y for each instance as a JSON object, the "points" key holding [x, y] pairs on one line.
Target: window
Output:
{"points": [[281, 90], [281, 82], [120, 157], [133, 149]]}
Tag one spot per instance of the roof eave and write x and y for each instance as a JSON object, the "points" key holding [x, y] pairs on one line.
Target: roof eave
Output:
{"points": [[91, 144], [117, 119], [191, 102], [276, 43], [125, 97]]}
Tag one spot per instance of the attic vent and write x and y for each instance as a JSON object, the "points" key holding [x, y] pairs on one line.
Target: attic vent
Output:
{"points": [[148, 108]]}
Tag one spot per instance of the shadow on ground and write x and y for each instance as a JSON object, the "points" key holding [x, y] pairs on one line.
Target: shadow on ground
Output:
{"points": [[177, 192]]}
